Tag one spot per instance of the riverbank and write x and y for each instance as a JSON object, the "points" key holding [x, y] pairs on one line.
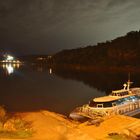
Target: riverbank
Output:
{"points": [[48, 125]]}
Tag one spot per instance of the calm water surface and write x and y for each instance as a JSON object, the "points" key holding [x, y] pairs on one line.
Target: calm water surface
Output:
{"points": [[32, 88]]}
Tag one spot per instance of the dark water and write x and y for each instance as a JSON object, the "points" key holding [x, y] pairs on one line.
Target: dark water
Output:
{"points": [[36, 87]]}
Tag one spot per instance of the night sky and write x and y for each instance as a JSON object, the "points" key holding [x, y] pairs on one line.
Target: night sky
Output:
{"points": [[48, 26]]}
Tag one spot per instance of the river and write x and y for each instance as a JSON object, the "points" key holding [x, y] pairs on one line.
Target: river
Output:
{"points": [[37, 87]]}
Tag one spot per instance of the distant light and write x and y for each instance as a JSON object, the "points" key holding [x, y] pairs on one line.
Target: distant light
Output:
{"points": [[49, 56], [9, 58], [50, 71], [18, 61], [3, 65], [18, 65], [10, 69], [40, 58]]}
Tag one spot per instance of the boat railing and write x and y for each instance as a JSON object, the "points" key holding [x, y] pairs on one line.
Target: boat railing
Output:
{"points": [[124, 108], [101, 112]]}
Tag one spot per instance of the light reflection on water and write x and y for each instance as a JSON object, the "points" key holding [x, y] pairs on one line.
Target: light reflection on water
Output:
{"points": [[10, 68], [30, 88], [36, 87]]}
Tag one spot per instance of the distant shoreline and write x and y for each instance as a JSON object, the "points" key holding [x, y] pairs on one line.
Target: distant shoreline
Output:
{"points": [[93, 68]]}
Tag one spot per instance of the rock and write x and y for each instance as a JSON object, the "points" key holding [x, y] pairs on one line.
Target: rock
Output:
{"points": [[130, 133], [1, 126], [9, 125]]}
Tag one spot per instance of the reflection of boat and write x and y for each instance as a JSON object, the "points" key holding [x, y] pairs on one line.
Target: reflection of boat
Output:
{"points": [[125, 101]]}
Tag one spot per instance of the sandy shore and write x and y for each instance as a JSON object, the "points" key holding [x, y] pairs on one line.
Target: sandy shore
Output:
{"points": [[51, 126]]}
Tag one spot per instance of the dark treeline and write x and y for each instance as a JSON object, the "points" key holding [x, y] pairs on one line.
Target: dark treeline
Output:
{"points": [[122, 51]]}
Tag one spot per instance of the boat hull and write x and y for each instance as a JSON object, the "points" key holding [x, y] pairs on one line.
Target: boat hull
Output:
{"points": [[132, 113], [76, 116]]}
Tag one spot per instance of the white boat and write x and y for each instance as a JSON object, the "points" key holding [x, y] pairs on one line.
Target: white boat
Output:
{"points": [[125, 101]]}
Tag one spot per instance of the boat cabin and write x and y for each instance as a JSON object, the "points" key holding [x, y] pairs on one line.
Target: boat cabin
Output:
{"points": [[120, 92], [101, 103]]}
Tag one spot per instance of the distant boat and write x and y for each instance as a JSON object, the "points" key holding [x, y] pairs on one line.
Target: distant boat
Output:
{"points": [[125, 101]]}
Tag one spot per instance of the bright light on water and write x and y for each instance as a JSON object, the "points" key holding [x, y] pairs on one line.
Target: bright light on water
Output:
{"points": [[10, 69], [50, 71]]}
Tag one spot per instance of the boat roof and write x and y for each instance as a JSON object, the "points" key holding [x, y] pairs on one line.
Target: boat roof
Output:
{"points": [[120, 91], [106, 98], [109, 98], [136, 88], [118, 94]]}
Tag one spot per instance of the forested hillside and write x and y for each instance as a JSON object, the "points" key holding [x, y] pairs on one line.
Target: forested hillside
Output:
{"points": [[122, 51]]}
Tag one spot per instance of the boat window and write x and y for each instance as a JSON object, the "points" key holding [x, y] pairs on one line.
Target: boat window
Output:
{"points": [[104, 104], [120, 101], [114, 104], [120, 94], [138, 97], [99, 105], [123, 93], [126, 99]]}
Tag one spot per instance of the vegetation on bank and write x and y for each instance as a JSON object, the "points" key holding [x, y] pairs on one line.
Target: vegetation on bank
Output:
{"points": [[122, 51], [13, 126]]}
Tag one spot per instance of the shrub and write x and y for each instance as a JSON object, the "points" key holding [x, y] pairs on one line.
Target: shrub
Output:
{"points": [[13, 126], [2, 114]]}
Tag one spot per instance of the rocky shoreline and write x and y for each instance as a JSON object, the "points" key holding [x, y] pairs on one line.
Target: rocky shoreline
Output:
{"points": [[49, 125]]}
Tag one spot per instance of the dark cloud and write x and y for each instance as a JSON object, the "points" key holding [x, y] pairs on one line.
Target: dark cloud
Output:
{"points": [[47, 26]]}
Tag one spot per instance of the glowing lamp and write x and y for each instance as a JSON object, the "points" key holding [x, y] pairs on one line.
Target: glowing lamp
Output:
{"points": [[9, 58]]}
